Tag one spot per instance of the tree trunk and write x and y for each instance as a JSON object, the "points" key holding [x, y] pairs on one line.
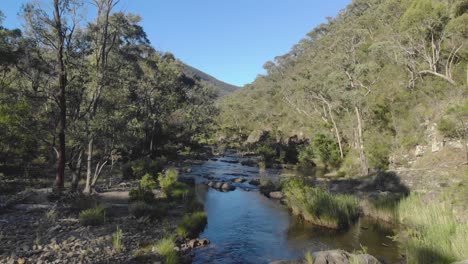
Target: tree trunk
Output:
{"points": [[61, 97], [337, 132], [76, 172], [360, 144], [89, 166]]}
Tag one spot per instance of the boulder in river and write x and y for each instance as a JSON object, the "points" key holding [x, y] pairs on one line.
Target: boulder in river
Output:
{"points": [[276, 195], [239, 180], [227, 187], [254, 182], [342, 257]]}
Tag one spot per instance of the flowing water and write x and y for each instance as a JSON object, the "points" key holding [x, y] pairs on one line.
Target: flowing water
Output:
{"points": [[246, 227]]}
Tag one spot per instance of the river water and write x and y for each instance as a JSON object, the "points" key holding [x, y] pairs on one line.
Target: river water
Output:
{"points": [[246, 227]]}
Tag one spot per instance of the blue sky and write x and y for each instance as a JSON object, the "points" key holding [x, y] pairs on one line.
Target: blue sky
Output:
{"points": [[228, 39]]}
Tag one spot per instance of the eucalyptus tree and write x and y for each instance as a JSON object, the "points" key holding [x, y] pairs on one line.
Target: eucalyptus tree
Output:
{"points": [[54, 30]]}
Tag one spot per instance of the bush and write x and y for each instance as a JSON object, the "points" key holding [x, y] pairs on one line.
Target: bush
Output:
{"points": [[147, 182], [93, 216], [142, 209], [166, 247], [178, 191], [320, 207], [327, 150], [192, 225], [168, 179], [267, 153], [448, 128], [138, 168], [141, 194], [306, 155]]}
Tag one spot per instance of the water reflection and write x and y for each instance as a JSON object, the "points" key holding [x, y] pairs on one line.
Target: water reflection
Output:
{"points": [[246, 227]]}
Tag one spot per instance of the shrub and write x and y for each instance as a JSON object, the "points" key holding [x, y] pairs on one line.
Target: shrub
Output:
{"points": [[448, 128], [178, 191], [306, 154], [168, 179], [141, 194], [138, 168], [192, 225], [166, 247], [267, 152], [93, 216], [320, 207], [142, 209], [147, 182], [327, 150]]}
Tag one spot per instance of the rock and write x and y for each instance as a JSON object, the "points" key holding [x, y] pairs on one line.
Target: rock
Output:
{"points": [[218, 185], [204, 241], [276, 195], [254, 182], [196, 243], [193, 243], [227, 187], [210, 184], [239, 180], [257, 136], [188, 170], [342, 257], [420, 150], [249, 162]]}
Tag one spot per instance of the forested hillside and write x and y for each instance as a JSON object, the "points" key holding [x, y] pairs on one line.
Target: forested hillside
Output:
{"points": [[81, 95], [370, 82], [222, 87]]}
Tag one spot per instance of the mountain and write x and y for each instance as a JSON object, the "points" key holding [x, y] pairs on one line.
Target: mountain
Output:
{"points": [[224, 88]]}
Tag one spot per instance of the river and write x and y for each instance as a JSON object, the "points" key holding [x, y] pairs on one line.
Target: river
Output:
{"points": [[246, 227]]}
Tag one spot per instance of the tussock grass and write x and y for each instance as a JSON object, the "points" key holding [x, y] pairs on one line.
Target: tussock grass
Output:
{"points": [[117, 239], [192, 225], [319, 206], [432, 234], [93, 216], [165, 247]]}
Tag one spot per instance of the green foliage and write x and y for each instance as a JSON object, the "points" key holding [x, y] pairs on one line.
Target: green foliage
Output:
{"points": [[309, 258], [192, 225], [141, 194], [117, 239], [267, 152], [325, 148], [93, 216], [306, 154], [432, 234], [147, 182], [166, 247], [319, 206], [448, 128]]}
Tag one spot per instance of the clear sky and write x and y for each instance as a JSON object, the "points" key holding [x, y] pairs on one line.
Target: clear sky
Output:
{"points": [[228, 39]]}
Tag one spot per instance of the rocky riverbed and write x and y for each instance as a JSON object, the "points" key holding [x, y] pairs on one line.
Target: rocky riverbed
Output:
{"points": [[35, 230]]}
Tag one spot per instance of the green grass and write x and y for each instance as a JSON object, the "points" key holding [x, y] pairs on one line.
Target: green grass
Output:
{"points": [[383, 208], [309, 258], [93, 216], [117, 239], [320, 207], [166, 247], [431, 234], [192, 225]]}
